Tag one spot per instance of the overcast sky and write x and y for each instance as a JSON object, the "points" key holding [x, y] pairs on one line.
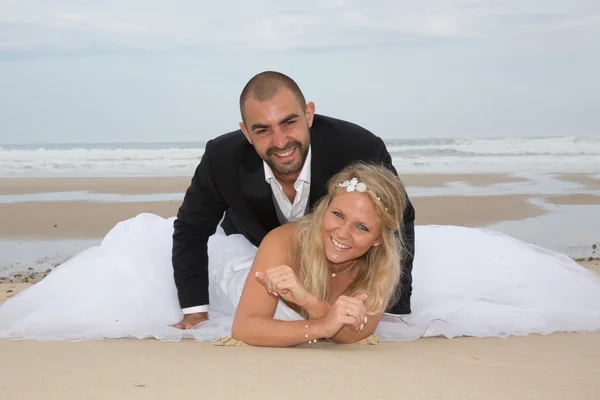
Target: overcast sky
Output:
{"points": [[157, 70]]}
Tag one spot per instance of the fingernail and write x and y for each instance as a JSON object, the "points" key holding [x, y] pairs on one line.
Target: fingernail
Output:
{"points": [[365, 319], [362, 326], [275, 294], [256, 274]]}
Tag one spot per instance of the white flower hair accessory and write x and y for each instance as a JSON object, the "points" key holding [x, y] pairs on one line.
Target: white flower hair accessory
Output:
{"points": [[353, 184]]}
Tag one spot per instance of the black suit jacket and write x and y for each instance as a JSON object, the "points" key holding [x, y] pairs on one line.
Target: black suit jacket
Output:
{"points": [[230, 179]]}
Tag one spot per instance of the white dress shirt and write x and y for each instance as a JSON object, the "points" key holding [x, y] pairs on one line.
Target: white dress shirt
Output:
{"points": [[285, 209]]}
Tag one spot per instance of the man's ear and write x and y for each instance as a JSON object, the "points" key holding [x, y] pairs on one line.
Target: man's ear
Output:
{"points": [[245, 132], [310, 113]]}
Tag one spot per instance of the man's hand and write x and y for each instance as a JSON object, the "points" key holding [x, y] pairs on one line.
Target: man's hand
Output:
{"points": [[191, 320]]}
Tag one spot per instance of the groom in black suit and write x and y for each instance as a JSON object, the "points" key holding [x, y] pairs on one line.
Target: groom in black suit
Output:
{"points": [[269, 172]]}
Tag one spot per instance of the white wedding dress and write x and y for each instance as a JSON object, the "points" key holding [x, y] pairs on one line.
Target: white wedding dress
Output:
{"points": [[466, 282]]}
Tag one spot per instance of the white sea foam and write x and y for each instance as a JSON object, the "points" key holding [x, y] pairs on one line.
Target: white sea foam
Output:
{"points": [[79, 161], [560, 154], [563, 154]]}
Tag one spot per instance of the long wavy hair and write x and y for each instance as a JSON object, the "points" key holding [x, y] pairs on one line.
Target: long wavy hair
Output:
{"points": [[379, 269]]}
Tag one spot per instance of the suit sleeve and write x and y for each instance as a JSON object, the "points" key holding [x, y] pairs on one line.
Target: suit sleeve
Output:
{"points": [[197, 219], [404, 290]]}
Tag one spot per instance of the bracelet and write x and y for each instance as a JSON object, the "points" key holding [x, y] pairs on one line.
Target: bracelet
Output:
{"points": [[306, 335]]}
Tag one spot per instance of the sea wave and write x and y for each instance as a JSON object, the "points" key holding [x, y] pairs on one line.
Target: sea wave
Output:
{"points": [[570, 153]]}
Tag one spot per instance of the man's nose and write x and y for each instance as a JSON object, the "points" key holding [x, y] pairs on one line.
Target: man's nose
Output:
{"points": [[279, 138]]}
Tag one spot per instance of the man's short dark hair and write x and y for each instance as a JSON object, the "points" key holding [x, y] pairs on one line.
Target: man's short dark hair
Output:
{"points": [[265, 85]]}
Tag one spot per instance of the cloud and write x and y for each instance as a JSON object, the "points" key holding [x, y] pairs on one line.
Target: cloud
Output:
{"points": [[65, 26]]}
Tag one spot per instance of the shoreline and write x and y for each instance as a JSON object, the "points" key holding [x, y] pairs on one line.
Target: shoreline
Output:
{"points": [[178, 183], [50, 220]]}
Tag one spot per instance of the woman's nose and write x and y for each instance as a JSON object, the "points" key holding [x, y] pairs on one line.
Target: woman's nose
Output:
{"points": [[344, 231]]}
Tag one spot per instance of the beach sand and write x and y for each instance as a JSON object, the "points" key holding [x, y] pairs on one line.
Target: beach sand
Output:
{"points": [[63, 219], [146, 185], [586, 180], [557, 366], [72, 219]]}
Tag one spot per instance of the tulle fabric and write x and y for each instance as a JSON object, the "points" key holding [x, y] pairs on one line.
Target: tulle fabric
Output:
{"points": [[466, 282]]}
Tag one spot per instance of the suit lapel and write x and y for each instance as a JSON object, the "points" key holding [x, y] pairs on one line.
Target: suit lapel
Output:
{"points": [[321, 168], [257, 195]]}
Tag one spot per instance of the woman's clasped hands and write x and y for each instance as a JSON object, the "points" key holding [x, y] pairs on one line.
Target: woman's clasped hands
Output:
{"points": [[282, 281], [346, 311]]}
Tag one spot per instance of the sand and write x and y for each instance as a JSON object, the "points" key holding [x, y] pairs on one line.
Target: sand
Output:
{"points": [[575, 199], [125, 185], [146, 185], [587, 181], [64, 219], [77, 219], [557, 366], [479, 180], [54, 220]]}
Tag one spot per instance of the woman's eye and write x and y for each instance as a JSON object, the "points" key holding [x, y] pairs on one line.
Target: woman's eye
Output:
{"points": [[363, 228], [337, 214]]}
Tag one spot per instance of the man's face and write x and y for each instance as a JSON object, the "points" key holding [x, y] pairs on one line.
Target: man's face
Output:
{"points": [[279, 131]]}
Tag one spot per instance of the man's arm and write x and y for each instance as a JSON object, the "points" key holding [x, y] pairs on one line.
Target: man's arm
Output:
{"points": [[407, 228], [197, 219]]}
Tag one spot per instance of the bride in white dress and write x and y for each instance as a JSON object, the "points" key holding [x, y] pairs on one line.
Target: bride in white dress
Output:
{"points": [[466, 282]]}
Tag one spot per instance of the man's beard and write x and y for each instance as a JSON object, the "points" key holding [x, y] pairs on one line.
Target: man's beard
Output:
{"points": [[289, 168]]}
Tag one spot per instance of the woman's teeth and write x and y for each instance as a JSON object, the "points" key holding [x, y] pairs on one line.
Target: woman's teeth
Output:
{"points": [[339, 245]]}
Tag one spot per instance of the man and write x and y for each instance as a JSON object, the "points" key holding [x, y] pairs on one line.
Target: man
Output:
{"points": [[269, 172]]}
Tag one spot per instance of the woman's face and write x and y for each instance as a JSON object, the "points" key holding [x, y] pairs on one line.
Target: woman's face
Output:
{"points": [[350, 227]]}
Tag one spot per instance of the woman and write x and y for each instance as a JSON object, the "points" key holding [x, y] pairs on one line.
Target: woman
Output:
{"points": [[345, 253], [329, 276]]}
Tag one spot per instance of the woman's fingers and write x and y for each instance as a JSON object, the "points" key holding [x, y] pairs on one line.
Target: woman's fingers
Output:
{"points": [[354, 314], [354, 308], [277, 279], [285, 286], [347, 320], [281, 278], [266, 280]]}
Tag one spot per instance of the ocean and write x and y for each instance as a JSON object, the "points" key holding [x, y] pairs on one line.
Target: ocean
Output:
{"points": [[543, 154]]}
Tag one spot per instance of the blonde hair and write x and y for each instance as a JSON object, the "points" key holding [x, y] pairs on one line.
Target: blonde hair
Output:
{"points": [[379, 269]]}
